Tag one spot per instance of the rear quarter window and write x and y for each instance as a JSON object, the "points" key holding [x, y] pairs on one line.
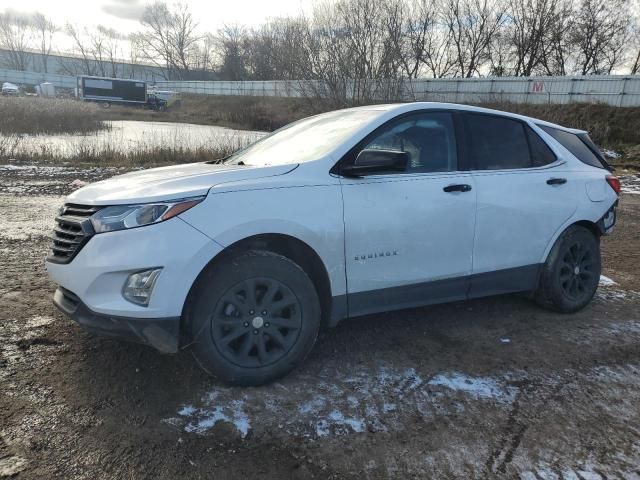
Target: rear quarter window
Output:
{"points": [[575, 145]]}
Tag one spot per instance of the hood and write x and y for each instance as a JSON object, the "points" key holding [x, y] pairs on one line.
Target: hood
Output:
{"points": [[168, 183]]}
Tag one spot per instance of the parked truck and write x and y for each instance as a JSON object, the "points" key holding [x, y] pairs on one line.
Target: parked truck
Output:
{"points": [[108, 91]]}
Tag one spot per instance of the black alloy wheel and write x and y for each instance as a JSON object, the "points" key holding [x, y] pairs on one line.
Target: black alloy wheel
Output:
{"points": [[252, 317], [576, 271], [571, 273], [256, 322]]}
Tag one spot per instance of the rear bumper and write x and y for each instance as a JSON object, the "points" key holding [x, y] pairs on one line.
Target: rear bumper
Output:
{"points": [[607, 223], [159, 333]]}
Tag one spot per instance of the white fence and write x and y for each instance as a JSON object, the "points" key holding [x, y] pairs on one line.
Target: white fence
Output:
{"points": [[614, 90], [617, 90]]}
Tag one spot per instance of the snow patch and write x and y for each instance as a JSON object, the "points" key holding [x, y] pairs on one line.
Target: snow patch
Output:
{"points": [[28, 218], [611, 292], [476, 387], [336, 422], [625, 328], [206, 417], [350, 401], [606, 281], [610, 153], [630, 184], [38, 321]]}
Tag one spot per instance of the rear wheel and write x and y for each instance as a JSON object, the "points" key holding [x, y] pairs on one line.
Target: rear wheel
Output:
{"points": [[253, 318], [571, 273]]}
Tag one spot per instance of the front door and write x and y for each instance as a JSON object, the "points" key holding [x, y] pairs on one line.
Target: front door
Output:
{"points": [[409, 236]]}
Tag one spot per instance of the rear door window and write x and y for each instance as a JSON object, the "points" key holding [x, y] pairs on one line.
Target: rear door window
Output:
{"points": [[499, 143], [575, 145]]}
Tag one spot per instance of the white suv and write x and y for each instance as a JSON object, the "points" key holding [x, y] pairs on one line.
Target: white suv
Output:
{"points": [[342, 214]]}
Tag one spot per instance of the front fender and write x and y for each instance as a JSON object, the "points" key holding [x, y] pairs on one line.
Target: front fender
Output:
{"points": [[311, 214]]}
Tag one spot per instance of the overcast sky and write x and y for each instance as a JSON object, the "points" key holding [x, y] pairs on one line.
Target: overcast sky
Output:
{"points": [[123, 15]]}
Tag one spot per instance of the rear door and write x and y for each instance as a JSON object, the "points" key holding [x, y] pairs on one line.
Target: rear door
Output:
{"points": [[409, 235], [524, 196]]}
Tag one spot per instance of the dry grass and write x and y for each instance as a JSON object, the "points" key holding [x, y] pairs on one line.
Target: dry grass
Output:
{"points": [[246, 113], [33, 115], [143, 155]]}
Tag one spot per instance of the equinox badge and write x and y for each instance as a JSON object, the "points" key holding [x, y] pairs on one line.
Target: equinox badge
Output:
{"points": [[376, 255]]}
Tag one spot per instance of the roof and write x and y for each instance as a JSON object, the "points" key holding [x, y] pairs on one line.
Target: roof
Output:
{"points": [[411, 106]]}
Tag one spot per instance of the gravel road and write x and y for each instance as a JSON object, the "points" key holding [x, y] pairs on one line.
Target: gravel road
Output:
{"points": [[491, 388]]}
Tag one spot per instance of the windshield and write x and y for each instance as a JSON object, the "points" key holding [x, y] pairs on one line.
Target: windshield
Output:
{"points": [[305, 140]]}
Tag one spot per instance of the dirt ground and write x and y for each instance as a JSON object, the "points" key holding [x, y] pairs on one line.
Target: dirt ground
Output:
{"points": [[492, 388]]}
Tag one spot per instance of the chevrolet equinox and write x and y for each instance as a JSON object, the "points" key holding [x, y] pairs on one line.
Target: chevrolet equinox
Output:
{"points": [[347, 213]]}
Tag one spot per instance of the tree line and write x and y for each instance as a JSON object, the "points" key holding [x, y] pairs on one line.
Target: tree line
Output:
{"points": [[355, 42]]}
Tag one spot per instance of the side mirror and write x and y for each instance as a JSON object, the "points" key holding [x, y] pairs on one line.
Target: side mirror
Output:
{"points": [[377, 161]]}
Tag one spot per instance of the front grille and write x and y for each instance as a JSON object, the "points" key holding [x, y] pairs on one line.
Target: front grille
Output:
{"points": [[72, 231]]}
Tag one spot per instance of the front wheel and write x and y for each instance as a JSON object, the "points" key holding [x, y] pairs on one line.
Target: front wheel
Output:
{"points": [[253, 318], [571, 274]]}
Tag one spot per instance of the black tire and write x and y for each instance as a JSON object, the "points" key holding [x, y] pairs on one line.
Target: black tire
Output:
{"points": [[571, 274], [253, 318]]}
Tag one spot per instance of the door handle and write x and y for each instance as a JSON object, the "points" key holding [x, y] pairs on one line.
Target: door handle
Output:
{"points": [[556, 181], [457, 188]]}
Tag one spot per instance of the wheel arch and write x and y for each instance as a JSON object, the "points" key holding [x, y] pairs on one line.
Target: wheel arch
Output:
{"points": [[588, 224], [290, 247]]}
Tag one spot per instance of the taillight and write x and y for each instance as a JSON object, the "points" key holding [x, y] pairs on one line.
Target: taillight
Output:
{"points": [[614, 182]]}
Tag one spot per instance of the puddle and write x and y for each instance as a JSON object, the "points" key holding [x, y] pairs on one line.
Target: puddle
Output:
{"points": [[127, 135]]}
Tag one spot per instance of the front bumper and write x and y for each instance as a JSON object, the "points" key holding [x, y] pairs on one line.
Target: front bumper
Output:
{"points": [[159, 333], [97, 274]]}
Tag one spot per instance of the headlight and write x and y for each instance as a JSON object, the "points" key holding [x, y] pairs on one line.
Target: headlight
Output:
{"points": [[121, 217]]}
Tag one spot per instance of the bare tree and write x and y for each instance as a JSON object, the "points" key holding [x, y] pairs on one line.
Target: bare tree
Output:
{"points": [[351, 53], [15, 37], [419, 38], [500, 54], [472, 24], [329, 63], [44, 29], [635, 58], [105, 50], [558, 51], [83, 48], [232, 40], [600, 31], [275, 49], [169, 37], [531, 24], [634, 44]]}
